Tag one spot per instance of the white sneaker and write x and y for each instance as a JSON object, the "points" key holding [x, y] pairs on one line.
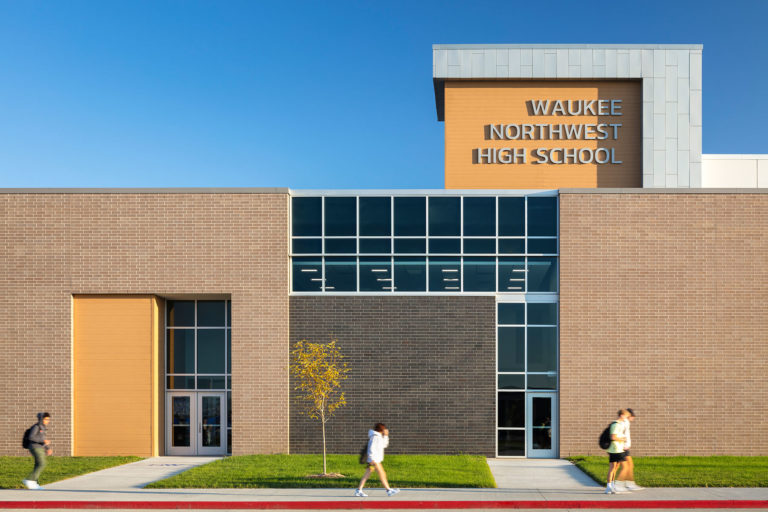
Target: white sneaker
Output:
{"points": [[609, 489], [360, 494], [619, 487], [632, 486], [392, 492], [29, 484]]}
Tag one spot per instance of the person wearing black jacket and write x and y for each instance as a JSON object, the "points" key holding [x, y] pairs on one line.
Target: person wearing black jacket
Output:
{"points": [[40, 448]]}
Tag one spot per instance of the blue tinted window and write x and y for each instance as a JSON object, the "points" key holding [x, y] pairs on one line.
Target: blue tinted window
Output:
{"points": [[542, 274], [444, 245], [375, 245], [542, 349], [511, 381], [375, 274], [181, 382], [511, 313], [307, 274], [210, 313], [511, 442], [410, 216], [542, 245], [511, 342], [306, 216], [180, 351], [512, 274], [444, 274], [340, 216], [479, 274], [511, 411], [375, 216], [181, 313], [542, 313], [542, 381], [341, 274], [512, 245], [444, 216], [211, 350], [340, 245], [479, 216], [511, 216], [307, 245], [410, 245], [542, 216], [410, 274], [479, 246]]}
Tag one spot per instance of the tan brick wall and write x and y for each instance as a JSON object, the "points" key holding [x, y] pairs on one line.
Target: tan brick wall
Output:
{"points": [[55, 245], [663, 309]]}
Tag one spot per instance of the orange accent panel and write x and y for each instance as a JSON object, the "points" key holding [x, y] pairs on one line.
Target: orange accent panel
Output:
{"points": [[115, 375], [471, 106]]}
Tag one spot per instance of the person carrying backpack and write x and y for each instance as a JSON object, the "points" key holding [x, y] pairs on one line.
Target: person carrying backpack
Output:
{"points": [[378, 439], [35, 439], [616, 454]]}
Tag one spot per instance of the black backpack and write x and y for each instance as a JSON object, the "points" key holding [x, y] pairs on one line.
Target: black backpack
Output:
{"points": [[25, 439], [605, 437]]}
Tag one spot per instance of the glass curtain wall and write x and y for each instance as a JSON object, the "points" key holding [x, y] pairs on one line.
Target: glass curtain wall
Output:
{"points": [[198, 349], [527, 359], [426, 244]]}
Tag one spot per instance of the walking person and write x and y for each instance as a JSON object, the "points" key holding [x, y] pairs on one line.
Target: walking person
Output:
{"points": [[626, 478], [616, 450], [40, 448], [378, 439]]}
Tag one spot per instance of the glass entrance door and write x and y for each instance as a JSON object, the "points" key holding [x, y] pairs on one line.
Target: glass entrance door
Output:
{"points": [[196, 423], [541, 425], [181, 424], [211, 428]]}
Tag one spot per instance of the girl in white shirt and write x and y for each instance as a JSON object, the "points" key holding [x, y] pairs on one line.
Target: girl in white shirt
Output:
{"points": [[378, 439]]}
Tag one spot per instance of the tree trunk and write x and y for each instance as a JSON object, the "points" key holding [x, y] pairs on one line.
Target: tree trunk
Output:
{"points": [[322, 420]]}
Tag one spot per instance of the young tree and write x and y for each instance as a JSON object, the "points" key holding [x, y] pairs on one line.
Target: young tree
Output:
{"points": [[319, 369]]}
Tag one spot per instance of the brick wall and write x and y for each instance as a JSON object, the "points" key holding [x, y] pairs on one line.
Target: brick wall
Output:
{"points": [[663, 309], [425, 366], [56, 245]]}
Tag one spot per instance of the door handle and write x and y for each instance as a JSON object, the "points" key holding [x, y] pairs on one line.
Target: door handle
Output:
{"points": [[199, 428]]}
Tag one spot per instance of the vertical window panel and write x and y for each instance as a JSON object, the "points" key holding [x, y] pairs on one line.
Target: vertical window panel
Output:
{"points": [[410, 274], [340, 216], [375, 216], [306, 216], [444, 216], [479, 216], [542, 216], [410, 216], [444, 274], [341, 274]]}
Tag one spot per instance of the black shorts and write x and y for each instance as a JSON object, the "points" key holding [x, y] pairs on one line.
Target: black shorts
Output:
{"points": [[626, 453], [617, 457]]}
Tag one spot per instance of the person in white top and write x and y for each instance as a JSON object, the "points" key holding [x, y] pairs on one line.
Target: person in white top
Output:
{"points": [[626, 478], [378, 439]]}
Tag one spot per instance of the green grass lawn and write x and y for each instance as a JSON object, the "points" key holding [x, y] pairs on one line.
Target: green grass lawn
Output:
{"points": [[15, 469], [290, 471], [715, 471]]}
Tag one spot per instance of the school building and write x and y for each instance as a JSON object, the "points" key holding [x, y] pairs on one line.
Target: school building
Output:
{"points": [[584, 256]]}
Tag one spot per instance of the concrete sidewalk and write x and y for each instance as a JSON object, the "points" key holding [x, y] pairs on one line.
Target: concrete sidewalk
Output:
{"points": [[538, 483]]}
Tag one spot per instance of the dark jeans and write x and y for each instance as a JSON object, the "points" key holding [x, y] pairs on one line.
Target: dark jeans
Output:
{"points": [[38, 452]]}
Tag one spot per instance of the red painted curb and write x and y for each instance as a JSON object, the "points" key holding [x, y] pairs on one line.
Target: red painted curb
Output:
{"points": [[383, 504]]}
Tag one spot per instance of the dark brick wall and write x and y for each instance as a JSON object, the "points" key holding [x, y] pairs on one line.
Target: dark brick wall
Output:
{"points": [[422, 365]]}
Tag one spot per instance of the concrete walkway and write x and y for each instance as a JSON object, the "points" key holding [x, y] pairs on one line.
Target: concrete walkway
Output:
{"points": [[130, 476], [552, 474]]}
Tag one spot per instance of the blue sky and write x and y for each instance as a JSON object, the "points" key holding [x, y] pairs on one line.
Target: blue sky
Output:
{"points": [[305, 94]]}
